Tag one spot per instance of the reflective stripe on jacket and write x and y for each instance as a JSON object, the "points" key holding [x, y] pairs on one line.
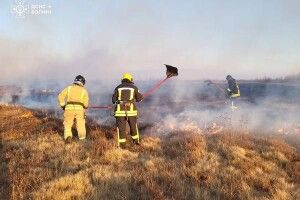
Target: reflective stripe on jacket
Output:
{"points": [[125, 96], [74, 97]]}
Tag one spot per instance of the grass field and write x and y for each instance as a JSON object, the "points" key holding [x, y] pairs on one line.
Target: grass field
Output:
{"points": [[36, 164]]}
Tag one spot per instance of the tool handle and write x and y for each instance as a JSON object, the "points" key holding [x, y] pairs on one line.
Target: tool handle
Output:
{"points": [[100, 107], [144, 95], [219, 87], [155, 87]]}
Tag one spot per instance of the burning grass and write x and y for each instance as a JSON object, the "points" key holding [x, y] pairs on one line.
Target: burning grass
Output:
{"points": [[36, 164]]}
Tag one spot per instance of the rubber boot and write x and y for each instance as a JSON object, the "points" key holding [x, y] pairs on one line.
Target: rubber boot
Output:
{"points": [[136, 142], [68, 140], [122, 145]]}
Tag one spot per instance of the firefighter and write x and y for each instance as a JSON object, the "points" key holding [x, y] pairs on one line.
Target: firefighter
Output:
{"points": [[233, 90], [74, 99], [124, 97]]}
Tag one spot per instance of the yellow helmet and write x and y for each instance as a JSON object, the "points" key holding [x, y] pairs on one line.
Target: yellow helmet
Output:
{"points": [[127, 76]]}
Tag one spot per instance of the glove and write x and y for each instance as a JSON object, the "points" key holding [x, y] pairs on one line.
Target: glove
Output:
{"points": [[63, 107]]}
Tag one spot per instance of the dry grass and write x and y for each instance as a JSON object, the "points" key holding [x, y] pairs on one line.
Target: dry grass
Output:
{"points": [[36, 164]]}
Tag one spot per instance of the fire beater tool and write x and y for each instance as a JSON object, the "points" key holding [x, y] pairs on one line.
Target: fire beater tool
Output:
{"points": [[170, 72]]}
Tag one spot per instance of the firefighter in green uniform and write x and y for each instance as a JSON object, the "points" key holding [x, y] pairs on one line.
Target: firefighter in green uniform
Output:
{"points": [[233, 90], [124, 97]]}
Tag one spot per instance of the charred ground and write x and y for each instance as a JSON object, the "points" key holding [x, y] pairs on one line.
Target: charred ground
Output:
{"points": [[36, 164]]}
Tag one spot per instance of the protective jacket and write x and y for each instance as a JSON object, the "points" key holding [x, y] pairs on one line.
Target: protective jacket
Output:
{"points": [[125, 96], [74, 97], [233, 87]]}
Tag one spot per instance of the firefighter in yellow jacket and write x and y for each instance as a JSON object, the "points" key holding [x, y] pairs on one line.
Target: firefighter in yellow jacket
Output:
{"points": [[74, 99], [125, 96]]}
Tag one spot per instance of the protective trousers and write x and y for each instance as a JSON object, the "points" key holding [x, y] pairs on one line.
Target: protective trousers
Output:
{"points": [[69, 117], [121, 129]]}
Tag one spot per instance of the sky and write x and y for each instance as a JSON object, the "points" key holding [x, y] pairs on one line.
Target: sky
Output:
{"points": [[205, 39]]}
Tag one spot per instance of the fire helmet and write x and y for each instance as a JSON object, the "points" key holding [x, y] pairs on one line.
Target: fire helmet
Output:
{"points": [[80, 80], [127, 76]]}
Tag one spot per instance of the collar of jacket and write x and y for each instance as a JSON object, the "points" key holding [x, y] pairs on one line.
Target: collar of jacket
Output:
{"points": [[77, 84]]}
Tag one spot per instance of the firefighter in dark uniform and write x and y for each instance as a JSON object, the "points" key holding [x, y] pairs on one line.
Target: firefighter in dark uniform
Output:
{"points": [[124, 97], [233, 90]]}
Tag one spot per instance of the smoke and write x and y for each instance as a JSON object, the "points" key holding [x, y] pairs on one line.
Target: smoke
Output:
{"points": [[183, 105], [205, 40], [195, 106]]}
